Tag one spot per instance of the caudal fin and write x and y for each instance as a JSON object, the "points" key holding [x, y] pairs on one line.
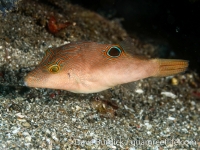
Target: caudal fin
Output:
{"points": [[167, 67]]}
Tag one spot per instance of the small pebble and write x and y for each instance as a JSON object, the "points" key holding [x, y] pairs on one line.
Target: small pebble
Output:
{"points": [[26, 124], [139, 91], [174, 81], [169, 94], [171, 118]]}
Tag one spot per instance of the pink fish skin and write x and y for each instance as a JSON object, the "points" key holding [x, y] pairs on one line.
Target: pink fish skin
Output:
{"points": [[90, 67]]}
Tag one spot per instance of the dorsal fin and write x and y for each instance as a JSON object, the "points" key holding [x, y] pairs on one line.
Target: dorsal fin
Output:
{"points": [[128, 46]]}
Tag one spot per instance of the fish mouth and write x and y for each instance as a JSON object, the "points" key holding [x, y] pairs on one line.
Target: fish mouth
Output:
{"points": [[29, 81], [22, 82], [25, 83]]}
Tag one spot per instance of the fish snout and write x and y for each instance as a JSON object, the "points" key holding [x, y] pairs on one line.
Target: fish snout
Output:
{"points": [[31, 81]]}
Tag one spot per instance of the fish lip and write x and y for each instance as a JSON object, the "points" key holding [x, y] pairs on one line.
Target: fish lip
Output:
{"points": [[25, 83], [22, 82]]}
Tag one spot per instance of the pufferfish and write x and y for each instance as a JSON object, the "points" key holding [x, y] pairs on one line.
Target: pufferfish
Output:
{"points": [[90, 67]]}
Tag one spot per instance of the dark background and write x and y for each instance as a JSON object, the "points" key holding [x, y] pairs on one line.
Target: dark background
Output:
{"points": [[177, 22]]}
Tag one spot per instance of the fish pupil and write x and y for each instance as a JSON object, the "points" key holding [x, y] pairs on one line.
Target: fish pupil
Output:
{"points": [[114, 51], [54, 68]]}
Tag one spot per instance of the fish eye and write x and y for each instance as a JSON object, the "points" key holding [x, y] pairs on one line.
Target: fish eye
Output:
{"points": [[54, 68], [114, 51]]}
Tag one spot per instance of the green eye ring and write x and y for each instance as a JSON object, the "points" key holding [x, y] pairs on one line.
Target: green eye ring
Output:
{"points": [[114, 51], [54, 68]]}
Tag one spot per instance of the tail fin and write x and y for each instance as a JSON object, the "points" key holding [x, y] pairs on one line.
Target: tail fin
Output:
{"points": [[167, 67]]}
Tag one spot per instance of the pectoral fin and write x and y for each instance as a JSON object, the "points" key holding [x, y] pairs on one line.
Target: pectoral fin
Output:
{"points": [[167, 67]]}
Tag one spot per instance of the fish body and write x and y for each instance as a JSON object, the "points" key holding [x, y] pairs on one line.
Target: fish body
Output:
{"points": [[90, 67]]}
